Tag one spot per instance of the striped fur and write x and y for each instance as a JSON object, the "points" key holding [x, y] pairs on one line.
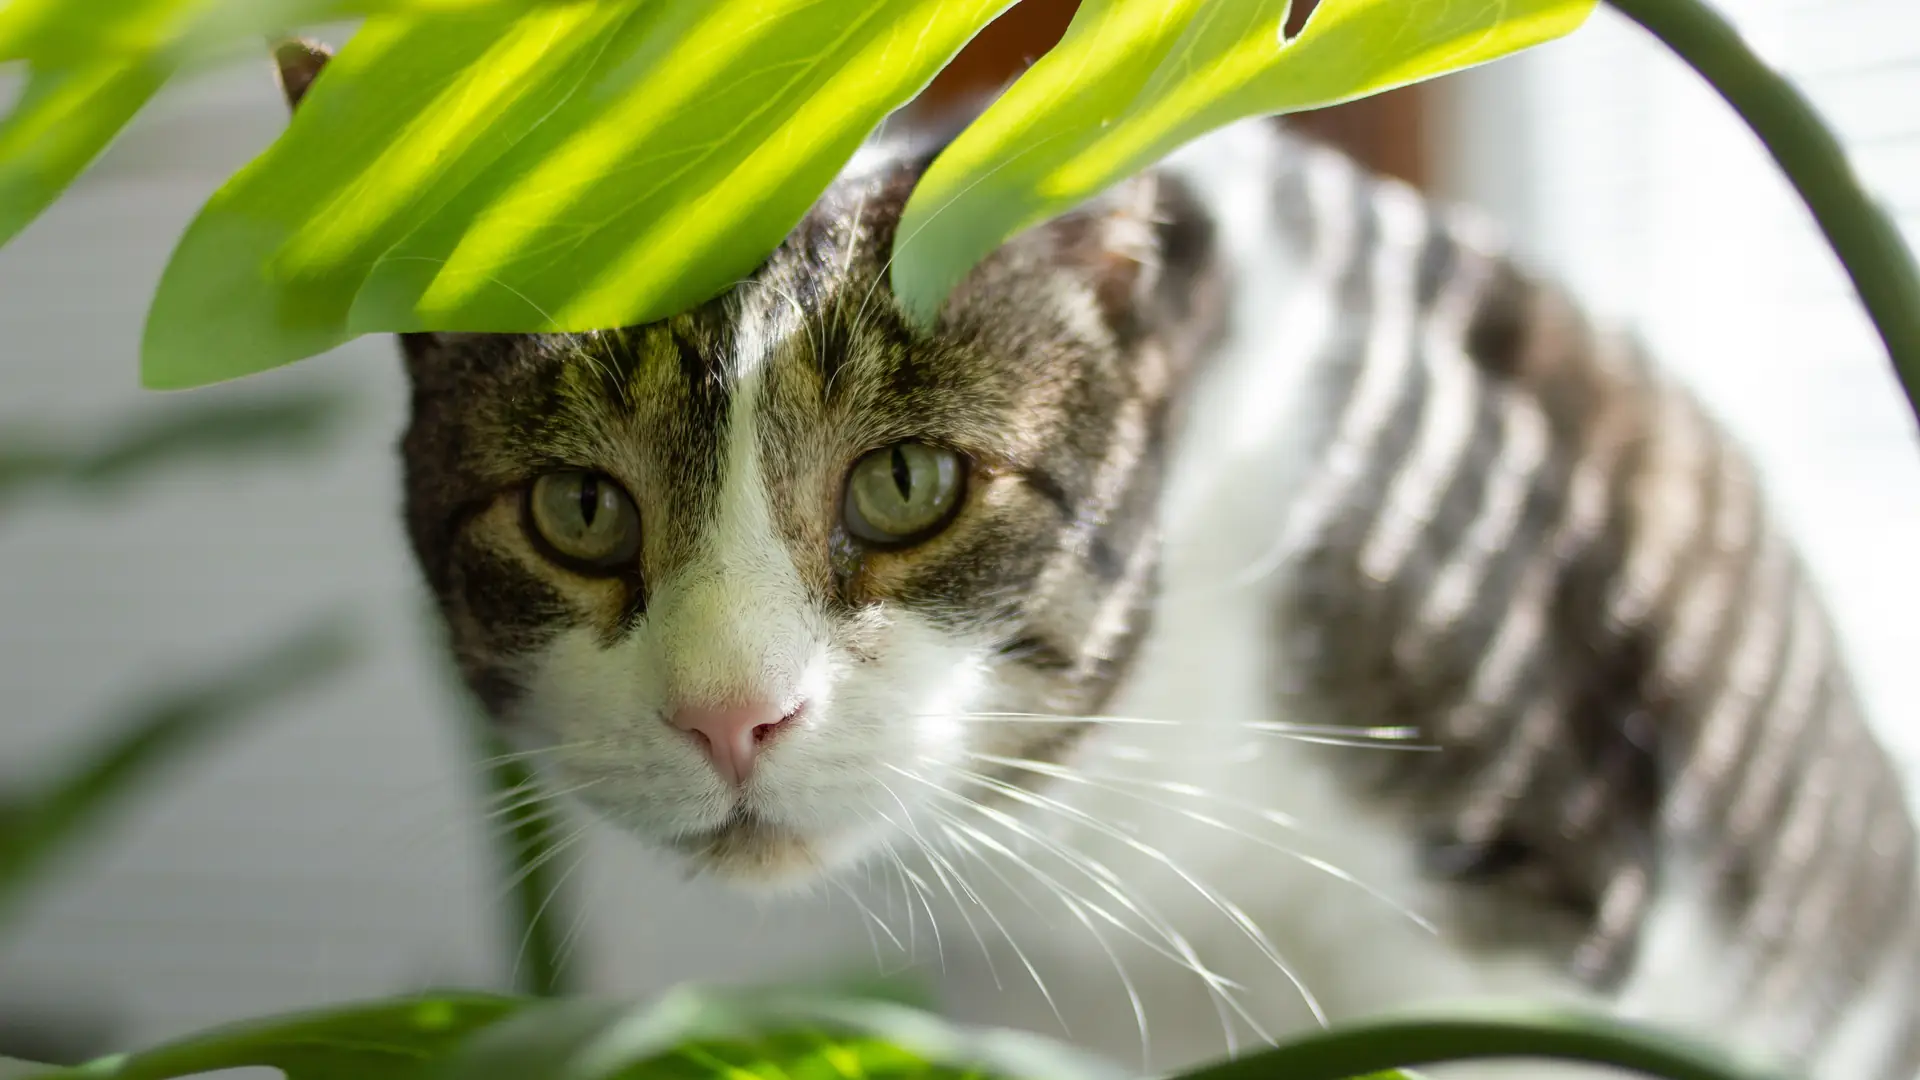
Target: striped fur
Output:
{"points": [[1534, 547]]}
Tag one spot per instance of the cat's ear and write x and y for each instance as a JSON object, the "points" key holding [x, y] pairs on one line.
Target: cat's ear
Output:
{"points": [[298, 62], [1146, 253]]}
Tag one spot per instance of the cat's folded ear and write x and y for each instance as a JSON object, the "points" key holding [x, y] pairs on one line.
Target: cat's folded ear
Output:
{"points": [[298, 62], [1146, 253], [1146, 247]]}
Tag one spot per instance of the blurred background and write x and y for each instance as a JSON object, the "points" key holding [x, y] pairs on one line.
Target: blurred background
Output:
{"points": [[326, 844]]}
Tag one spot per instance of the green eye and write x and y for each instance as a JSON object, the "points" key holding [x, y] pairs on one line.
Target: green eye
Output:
{"points": [[902, 493], [585, 520]]}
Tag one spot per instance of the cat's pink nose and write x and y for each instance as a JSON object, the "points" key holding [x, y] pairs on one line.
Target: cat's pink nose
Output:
{"points": [[733, 735]]}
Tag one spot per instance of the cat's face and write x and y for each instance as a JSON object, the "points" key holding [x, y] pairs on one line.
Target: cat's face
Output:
{"points": [[752, 575]]}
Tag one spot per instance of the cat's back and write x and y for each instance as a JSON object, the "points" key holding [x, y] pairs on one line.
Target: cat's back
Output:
{"points": [[1419, 492]]}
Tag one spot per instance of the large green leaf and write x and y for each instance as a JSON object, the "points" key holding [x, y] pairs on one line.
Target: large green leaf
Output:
{"points": [[771, 1035], [689, 1035], [95, 64], [412, 110], [1134, 79], [67, 33], [1490, 1031], [390, 1040], [592, 165], [65, 117]]}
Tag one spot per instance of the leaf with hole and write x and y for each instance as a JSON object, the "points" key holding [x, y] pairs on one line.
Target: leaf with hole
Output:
{"points": [[1134, 79]]}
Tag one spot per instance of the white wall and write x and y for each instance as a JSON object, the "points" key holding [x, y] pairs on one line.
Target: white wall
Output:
{"points": [[329, 852]]}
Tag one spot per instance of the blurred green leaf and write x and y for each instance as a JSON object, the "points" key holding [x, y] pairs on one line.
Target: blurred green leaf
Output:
{"points": [[388, 1040], [592, 165], [704, 1034], [1134, 79], [688, 1035], [94, 64], [195, 430], [34, 825], [1487, 1032], [68, 33], [65, 117]]}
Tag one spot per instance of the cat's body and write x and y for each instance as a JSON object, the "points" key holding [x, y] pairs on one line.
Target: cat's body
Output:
{"points": [[1658, 797], [798, 591]]}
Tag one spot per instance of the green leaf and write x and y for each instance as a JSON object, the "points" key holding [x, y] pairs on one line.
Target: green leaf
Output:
{"points": [[593, 165], [1132, 80], [36, 825], [702, 1034], [1488, 1032], [65, 117], [95, 64], [689, 1035], [68, 33], [389, 1040], [412, 110]]}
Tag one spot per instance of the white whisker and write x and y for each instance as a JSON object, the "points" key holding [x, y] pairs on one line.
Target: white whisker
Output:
{"points": [[553, 891], [956, 831], [872, 920], [1234, 913], [940, 867], [1070, 775], [1177, 948]]}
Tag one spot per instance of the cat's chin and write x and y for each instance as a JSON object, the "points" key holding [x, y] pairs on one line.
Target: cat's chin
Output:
{"points": [[751, 852]]}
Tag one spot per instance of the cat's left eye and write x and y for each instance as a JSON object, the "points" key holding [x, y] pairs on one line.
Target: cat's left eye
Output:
{"points": [[903, 493], [585, 521]]}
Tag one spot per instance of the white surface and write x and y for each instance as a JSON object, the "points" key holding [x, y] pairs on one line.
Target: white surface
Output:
{"points": [[329, 853]]}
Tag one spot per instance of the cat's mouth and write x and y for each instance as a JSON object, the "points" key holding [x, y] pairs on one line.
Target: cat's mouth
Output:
{"points": [[750, 849]]}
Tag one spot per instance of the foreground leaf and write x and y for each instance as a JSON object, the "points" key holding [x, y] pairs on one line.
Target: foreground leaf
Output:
{"points": [[95, 64], [594, 165], [1494, 1032], [1132, 80], [36, 825], [689, 1035], [390, 1040], [65, 117], [68, 33], [777, 1035]]}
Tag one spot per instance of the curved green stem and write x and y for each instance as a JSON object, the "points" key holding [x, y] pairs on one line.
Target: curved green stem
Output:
{"points": [[1866, 240], [1380, 1047]]}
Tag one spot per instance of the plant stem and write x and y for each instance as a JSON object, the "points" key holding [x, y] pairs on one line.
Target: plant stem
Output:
{"points": [[525, 834], [1866, 240], [1362, 1049]]}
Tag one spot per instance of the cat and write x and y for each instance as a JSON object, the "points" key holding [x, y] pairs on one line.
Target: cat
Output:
{"points": [[1256, 489]]}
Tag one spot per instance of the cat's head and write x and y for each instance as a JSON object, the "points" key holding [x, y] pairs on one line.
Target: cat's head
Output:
{"points": [[753, 574]]}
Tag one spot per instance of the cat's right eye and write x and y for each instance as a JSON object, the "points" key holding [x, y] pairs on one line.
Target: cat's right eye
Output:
{"points": [[584, 521]]}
